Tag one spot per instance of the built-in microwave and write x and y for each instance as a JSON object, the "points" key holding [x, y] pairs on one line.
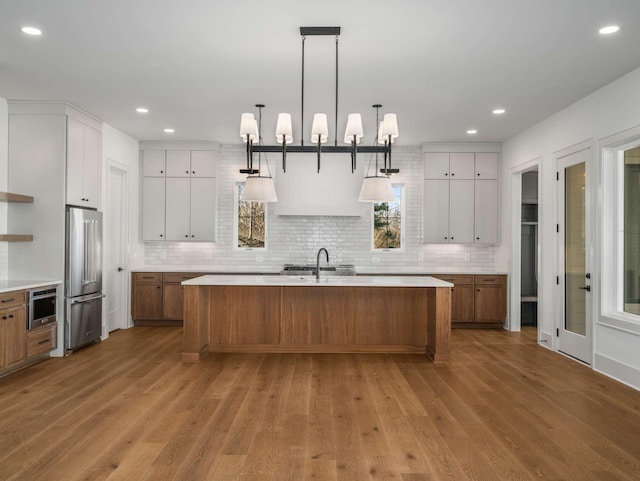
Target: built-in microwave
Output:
{"points": [[42, 307]]}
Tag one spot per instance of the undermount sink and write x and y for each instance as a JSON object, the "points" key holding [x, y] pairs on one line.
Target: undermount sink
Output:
{"points": [[309, 270]]}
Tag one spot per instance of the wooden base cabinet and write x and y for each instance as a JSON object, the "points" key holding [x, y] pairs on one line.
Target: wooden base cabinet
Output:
{"points": [[157, 298], [477, 301]]}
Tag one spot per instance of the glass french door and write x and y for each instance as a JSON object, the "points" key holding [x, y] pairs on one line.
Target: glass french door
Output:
{"points": [[575, 332]]}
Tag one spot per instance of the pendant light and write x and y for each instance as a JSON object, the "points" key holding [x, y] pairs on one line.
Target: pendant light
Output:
{"points": [[257, 188], [378, 188]]}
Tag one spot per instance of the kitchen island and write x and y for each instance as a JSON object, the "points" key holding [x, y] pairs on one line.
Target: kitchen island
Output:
{"points": [[304, 314]]}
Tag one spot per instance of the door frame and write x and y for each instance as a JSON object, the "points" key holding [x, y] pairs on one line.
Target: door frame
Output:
{"points": [[125, 322], [515, 175], [590, 184]]}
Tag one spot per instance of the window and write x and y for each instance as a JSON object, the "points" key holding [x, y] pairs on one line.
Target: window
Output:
{"points": [[631, 232], [252, 223], [387, 222]]}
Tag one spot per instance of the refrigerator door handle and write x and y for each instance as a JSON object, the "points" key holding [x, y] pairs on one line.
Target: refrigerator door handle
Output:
{"points": [[89, 262], [86, 299]]}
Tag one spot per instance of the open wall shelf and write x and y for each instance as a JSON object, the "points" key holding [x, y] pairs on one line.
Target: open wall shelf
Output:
{"points": [[9, 197]]}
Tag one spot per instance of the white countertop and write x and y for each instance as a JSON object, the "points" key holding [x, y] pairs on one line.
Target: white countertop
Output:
{"points": [[329, 281], [359, 271], [18, 285]]}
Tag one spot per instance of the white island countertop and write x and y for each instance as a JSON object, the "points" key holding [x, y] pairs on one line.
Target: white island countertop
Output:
{"points": [[329, 281]]}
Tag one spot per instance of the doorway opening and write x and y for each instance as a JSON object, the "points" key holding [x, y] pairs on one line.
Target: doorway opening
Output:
{"points": [[529, 250]]}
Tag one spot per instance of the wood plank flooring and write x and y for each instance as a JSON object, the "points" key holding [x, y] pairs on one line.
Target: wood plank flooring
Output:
{"points": [[502, 409]]}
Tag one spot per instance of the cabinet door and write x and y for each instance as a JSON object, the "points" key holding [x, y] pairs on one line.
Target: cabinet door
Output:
{"points": [[203, 163], [153, 163], [203, 209], [147, 301], [436, 211], [462, 303], [490, 303], [486, 165], [461, 211], [178, 163], [75, 162], [14, 325], [91, 167], [178, 207], [461, 165], [172, 302], [153, 208], [436, 165], [486, 211]]}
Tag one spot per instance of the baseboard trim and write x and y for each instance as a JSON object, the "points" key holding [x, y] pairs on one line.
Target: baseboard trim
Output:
{"points": [[624, 373]]}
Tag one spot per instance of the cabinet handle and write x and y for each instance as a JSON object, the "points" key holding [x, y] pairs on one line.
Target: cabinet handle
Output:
{"points": [[446, 174], [477, 238], [193, 171], [162, 171], [192, 235], [451, 237], [10, 316], [158, 287], [478, 290], [445, 238], [160, 235], [4, 317], [147, 277], [478, 174], [42, 342], [187, 235], [186, 171], [8, 300], [452, 174]]}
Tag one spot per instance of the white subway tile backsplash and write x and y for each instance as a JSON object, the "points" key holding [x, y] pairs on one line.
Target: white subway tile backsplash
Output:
{"points": [[296, 239]]}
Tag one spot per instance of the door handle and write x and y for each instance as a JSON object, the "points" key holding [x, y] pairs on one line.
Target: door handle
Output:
{"points": [[586, 288]]}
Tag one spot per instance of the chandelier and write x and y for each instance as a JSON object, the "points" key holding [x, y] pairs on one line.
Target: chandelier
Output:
{"points": [[375, 188]]}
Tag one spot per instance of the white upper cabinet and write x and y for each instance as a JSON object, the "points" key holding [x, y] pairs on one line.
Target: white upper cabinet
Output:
{"points": [[179, 195], [83, 164], [154, 163], [461, 197], [461, 165], [203, 163], [486, 165], [436, 166], [178, 163]]}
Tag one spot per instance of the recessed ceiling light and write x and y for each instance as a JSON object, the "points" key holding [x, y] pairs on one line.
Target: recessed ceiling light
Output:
{"points": [[472, 131], [499, 111], [609, 29], [142, 110], [169, 131], [31, 30]]}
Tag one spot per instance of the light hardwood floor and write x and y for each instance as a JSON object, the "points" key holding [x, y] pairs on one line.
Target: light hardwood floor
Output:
{"points": [[503, 408]]}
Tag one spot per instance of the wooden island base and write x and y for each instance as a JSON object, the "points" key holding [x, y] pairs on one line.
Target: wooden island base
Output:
{"points": [[316, 319]]}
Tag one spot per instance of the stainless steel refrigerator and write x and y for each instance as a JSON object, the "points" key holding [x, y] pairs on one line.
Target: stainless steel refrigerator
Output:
{"points": [[83, 283]]}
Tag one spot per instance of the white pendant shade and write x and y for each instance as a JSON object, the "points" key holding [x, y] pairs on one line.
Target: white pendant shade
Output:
{"points": [[319, 129], [259, 189], [354, 127], [390, 126], [376, 189], [249, 126], [284, 129]]}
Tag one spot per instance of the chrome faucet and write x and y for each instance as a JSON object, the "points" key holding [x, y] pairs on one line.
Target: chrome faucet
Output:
{"points": [[318, 261]]}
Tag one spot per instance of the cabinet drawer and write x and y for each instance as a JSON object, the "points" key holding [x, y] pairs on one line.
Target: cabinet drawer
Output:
{"points": [[148, 277], [12, 299], [489, 279], [176, 277], [456, 279], [41, 340]]}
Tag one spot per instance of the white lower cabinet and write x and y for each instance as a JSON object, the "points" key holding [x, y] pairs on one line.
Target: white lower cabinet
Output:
{"points": [[460, 211], [486, 211], [189, 214], [153, 208]]}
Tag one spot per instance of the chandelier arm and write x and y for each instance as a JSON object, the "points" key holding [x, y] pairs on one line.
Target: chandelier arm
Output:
{"points": [[336, 119], [302, 97]]}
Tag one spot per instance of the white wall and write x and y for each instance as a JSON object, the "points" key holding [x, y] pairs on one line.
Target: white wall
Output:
{"points": [[612, 109], [4, 136], [296, 239]]}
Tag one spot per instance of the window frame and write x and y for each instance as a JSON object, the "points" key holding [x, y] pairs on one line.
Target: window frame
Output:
{"points": [[403, 202], [236, 219]]}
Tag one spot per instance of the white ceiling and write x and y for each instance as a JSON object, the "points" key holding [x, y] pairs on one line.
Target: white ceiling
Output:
{"points": [[442, 66]]}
